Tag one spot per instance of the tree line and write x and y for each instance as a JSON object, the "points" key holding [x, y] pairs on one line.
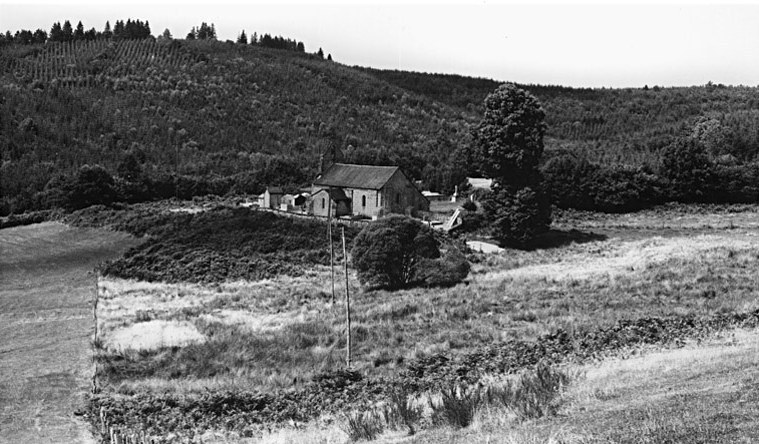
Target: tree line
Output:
{"points": [[131, 29]]}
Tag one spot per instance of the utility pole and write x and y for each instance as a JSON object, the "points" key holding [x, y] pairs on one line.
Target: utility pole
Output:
{"points": [[347, 304], [331, 245]]}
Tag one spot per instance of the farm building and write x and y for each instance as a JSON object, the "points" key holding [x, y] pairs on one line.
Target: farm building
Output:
{"points": [[366, 190], [272, 197]]}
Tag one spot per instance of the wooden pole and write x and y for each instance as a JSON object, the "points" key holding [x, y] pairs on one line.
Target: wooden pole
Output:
{"points": [[347, 304], [331, 245]]}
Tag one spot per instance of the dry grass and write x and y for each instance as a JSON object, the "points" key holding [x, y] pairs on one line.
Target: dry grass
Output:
{"points": [[277, 333], [702, 393], [297, 333]]}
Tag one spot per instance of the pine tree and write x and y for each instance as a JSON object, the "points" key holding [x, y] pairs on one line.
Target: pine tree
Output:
{"points": [[242, 38], [118, 30], [107, 33], [300, 47], [320, 53], [254, 39], [329, 57], [192, 34], [68, 31], [79, 33], [56, 32]]}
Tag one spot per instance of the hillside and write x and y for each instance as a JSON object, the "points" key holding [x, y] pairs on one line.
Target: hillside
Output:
{"points": [[184, 118], [202, 108], [625, 126]]}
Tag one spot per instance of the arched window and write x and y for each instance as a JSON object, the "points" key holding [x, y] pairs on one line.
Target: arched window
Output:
{"points": [[363, 200], [323, 203]]}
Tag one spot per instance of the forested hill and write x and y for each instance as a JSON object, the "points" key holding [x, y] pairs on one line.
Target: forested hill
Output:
{"points": [[627, 126], [186, 117], [206, 109]]}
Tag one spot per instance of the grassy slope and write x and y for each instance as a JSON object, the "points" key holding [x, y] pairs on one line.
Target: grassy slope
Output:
{"points": [[702, 393], [279, 333], [46, 325]]}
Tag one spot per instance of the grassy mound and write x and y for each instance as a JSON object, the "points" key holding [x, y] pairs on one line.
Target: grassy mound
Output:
{"points": [[222, 244]]}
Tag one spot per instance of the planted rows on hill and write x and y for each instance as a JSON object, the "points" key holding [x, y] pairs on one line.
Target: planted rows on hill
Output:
{"points": [[205, 110]]}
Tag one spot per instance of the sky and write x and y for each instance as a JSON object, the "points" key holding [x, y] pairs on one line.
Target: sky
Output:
{"points": [[595, 44]]}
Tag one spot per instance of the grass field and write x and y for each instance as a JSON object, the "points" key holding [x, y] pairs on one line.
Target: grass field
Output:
{"points": [[280, 333], [48, 283]]}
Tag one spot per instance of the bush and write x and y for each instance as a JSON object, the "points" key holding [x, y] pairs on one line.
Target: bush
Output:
{"points": [[517, 218], [533, 395], [458, 405], [401, 409], [687, 166], [388, 253], [446, 271], [363, 426]]}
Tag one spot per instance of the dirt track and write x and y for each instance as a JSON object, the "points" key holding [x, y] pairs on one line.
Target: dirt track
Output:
{"points": [[48, 282]]}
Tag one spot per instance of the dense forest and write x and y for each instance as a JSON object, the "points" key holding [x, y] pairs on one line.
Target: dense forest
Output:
{"points": [[143, 118]]}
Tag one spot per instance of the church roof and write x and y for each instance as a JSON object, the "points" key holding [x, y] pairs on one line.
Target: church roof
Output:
{"points": [[346, 175]]}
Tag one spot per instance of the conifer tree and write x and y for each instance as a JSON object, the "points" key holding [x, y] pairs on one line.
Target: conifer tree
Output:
{"points": [[107, 33], [242, 38], [79, 33], [68, 31]]}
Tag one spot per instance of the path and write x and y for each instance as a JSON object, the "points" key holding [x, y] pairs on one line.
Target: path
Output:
{"points": [[48, 281]]}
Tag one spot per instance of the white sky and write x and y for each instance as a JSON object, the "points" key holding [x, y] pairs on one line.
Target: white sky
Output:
{"points": [[564, 43]]}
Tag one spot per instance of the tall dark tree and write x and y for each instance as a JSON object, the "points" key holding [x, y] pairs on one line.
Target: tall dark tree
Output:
{"points": [[242, 38], [56, 32], [68, 31], [508, 144], [320, 53], [107, 32], [40, 36], [79, 32], [254, 38], [90, 34], [192, 34], [118, 30]]}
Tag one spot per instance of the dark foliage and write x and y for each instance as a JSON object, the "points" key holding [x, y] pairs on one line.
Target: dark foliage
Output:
{"points": [[517, 218], [250, 116], [391, 252], [218, 245]]}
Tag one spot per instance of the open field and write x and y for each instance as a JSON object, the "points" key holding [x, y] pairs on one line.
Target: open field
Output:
{"points": [[283, 334], [48, 284]]}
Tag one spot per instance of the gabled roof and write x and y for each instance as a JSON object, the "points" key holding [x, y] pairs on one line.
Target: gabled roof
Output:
{"points": [[346, 175], [336, 194], [275, 190]]}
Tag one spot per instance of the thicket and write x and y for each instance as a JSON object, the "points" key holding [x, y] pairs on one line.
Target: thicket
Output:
{"points": [[219, 245], [397, 252]]}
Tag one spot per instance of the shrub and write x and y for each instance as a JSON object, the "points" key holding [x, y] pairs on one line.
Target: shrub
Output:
{"points": [[401, 409], [458, 404], [363, 426], [687, 166], [533, 395], [446, 271], [388, 253], [517, 218]]}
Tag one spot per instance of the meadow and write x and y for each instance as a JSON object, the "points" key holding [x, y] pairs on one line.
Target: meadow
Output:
{"points": [[601, 287]]}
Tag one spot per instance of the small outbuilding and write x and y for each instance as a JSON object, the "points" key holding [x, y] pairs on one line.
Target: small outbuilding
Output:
{"points": [[273, 197]]}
